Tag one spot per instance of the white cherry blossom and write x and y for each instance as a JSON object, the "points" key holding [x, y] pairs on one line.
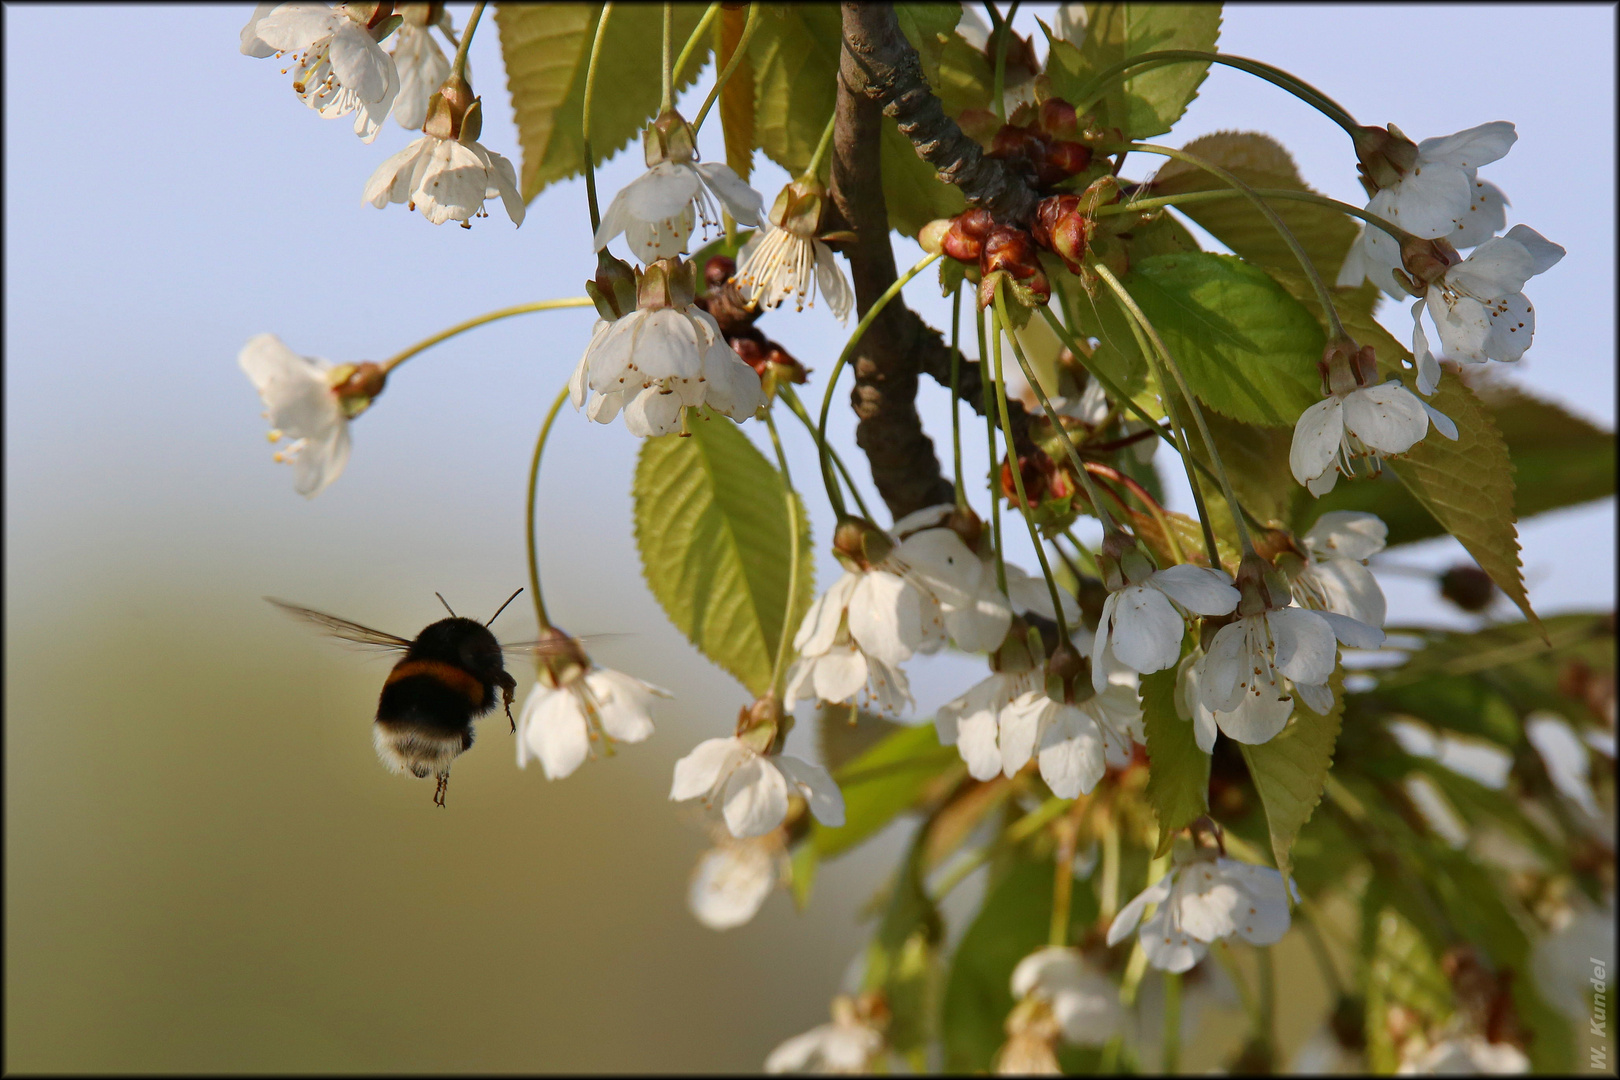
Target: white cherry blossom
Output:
{"points": [[446, 179], [1203, 900], [302, 404], [1075, 743], [850, 1044], [1479, 306], [753, 788], [972, 722], [1364, 422], [1085, 1003], [559, 720], [734, 878], [1334, 575], [777, 264], [1464, 1055], [337, 68], [1143, 623], [422, 68]]}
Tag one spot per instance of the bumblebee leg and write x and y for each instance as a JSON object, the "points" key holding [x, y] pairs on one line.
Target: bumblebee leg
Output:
{"points": [[439, 792], [506, 694]]}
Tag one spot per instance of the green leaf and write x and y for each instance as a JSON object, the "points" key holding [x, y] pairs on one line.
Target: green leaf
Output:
{"points": [[1149, 103], [1290, 771], [1256, 458], [736, 102], [1247, 348], [795, 56], [712, 530], [903, 958], [1261, 162], [1012, 923], [1559, 459], [547, 49], [885, 781], [844, 733], [1178, 772], [1401, 970]]}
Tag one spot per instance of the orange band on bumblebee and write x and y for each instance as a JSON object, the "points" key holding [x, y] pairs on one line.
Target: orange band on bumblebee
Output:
{"points": [[447, 675]]}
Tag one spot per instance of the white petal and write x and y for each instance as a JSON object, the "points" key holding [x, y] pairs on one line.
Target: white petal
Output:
{"points": [[621, 704], [1317, 697], [1513, 325], [885, 617], [1131, 913], [1221, 672], [831, 280], [1304, 643], [1352, 631], [1544, 254], [1387, 417], [1020, 727], [1428, 368], [1200, 589], [1167, 946], [731, 884], [820, 625], [1071, 757], [1346, 534], [1463, 325], [1498, 267], [840, 673], [817, 787], [1204, 901], [939, 561], [1264, 919], [1431, 200], [1487, 215], [756, 798], [1351, 590], [1147, 629], [1257, 718], [359, 64], [554, 730], [1471, 148], [733, 387], [744, 204], [654, 412], [701, 771], [252, 44], [1316, 439]]}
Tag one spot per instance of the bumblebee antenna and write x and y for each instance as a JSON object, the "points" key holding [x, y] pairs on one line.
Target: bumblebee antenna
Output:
{"points": [[447, 606], [502, 608]]}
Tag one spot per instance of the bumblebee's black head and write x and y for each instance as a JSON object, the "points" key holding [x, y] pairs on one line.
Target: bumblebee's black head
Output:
{"points": [[462, 642]]}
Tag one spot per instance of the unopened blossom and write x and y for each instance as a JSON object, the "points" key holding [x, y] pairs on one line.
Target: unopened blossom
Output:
{"points": [[657, 210], [422, 68], [1075, 742], [1431, 190], [786, 260], [1478, 305], [1144, 618], [338, 68], [310, 402], [753, 788], [1464, 1055], [662, 358], [1359, 419], [574, 704], [1203, 900], [1333, 576], [852, 1043], [735, 877], [1084, 1003]]}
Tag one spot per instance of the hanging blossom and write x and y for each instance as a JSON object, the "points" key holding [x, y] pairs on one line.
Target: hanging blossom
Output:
{"points": [[655, 353], [422, 68], [1478, 305], [657, 210], [785, 259], [852, 1043], [1429, 189], [1084, 1004], [1075, 738], [1358, 421], [752, 785], [734, 878], [1271, 651], [885, 609], [575, 703], [311, 402], [1144, 618], [972, 722], [1332, 576], [448, 173], [338, 68], [1204, 899]]}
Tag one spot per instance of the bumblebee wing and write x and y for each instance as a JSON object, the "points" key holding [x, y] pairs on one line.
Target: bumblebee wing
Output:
{"points": [[342, 628], [552, 645]]}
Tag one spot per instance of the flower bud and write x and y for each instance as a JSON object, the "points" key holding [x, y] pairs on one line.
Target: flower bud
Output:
{"points": [[1010, 249], [1260, 586], [964, 240], [1427, 260], [1385, 154], [1467, 586], [1047, 213], [931, 238], [757, 723], [719, 270], [798, 208], [613, 290], [355, 385], [448, 108], [861, 544], [1057, 118]]}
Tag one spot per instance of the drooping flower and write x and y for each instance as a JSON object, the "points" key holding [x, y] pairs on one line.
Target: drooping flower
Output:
{"points": [[1360, 419], [338, 68], [1202, 900], [1142, 621], [852, 1043], [1333, 574], [448, 173], [1084, 1003], [1076, 741], [752, 787], [1478, 305], [735, 877], [665, 356], [939, 544], [574, 703], [422, 68], [972, 722], [657, 210], [311, 402], [785, 259]]}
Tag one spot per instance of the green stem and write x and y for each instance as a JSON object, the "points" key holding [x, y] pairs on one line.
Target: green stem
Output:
{"points": [[789, 395], [458, 66], [989, 390], [814, 167], [585, 116], [1063, 878], [488, 317], [1171, 1058], [691, 42], [668, 101], [534, 485], [843, 358], [956, 374], [1323, 296], [737, 55], [1276, 76], [778, 667], [1222, 952], [1018, 474], [1268, 1000], [1129, 303]]}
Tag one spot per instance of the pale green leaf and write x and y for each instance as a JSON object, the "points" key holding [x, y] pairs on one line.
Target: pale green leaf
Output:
{"points": [[547, 50], [1178, 772], [1149, 103], [795, 57], [712, 529], [885, 781], [1290, 771]]}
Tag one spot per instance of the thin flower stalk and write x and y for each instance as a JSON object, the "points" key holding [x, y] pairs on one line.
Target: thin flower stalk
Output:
{"points": [[692, 42], [488, 317], [1139, 64], [737, 55], [989, 387], [529, 518], [668, 101], [458, 66], [585, 115], [786, 392], [956, 376]]}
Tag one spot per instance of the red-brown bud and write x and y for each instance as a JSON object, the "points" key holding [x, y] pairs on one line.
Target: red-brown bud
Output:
{"points": [[1010, 249], [964, 240], [1467, 586], [1428, 260], [1068, 157], [1036, 470], [1058, 118], [1047, 213]]}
